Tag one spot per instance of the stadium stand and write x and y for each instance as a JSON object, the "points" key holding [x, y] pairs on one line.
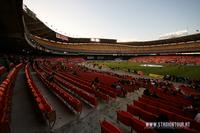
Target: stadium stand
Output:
{"points": [[5, 98], [57, 62], [117, 48], [73, 103], [42, 104], [135, 124], [168, 59]]}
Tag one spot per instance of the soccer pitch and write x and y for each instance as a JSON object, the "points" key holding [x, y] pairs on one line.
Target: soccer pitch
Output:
{"points": [[189, 71]]}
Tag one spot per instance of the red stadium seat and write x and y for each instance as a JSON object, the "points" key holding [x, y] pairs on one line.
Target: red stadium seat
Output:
{"points": [[124, 117], [108, 127], [42, 104]]}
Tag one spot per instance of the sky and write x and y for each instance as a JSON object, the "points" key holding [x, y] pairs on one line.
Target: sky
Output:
{"points": [[124, 20]]}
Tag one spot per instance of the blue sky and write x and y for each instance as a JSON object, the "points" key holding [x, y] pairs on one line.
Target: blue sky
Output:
{"points": [[130, 20]]}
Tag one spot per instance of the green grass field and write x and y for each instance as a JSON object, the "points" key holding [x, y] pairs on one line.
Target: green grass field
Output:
{"points": [[192, 72]]}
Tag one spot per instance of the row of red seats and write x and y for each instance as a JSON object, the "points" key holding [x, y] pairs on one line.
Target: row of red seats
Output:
{"points": [[6, 99], [168, 59], [87, 83], [108, 127], [163, 101], [166, 107], [140, 126], [103, 89], [175, 99], [105, 80], [88, 97], [147, 114], [72, 102], [171, 116], [143, 114], [44, 107], [85, 87], [101, 94], [127, 119], [85, 95], [178, 99], [189, 91]]}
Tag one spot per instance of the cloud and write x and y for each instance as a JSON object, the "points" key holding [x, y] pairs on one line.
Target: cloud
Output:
{"points": [[174, 34]]}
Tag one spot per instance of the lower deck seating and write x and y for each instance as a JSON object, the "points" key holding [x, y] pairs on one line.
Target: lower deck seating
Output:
{"points": [[189, 91], [85, 87], [6, 97], [124, 117], [139, 126], [62, 82], [88, 97], [42, 104], [135, 124], [171, 116], [168, 59], [145, 115], [166, 107], [73, 103]]}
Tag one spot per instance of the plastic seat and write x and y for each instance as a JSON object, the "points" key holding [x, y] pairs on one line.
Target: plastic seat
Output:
{"points": [[124, 117], [108, 127]]}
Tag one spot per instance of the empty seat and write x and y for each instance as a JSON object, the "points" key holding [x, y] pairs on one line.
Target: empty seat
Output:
{"points": [[108, 127]]}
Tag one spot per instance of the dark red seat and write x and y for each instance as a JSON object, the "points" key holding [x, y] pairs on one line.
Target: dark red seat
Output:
{"points": [[124, 117], [108, 127]]}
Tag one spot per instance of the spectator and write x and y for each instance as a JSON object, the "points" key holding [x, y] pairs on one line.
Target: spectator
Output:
{"points": [[146, 92], [94, 86], [118, 87], [124, 92], [96, 80], [197, 117], [74, 72], [51, 77], [191, 108], [113, 85], [155, 94]]}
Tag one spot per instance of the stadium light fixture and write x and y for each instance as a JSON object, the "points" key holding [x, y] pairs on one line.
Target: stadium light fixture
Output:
{"points": [[95, 40]]}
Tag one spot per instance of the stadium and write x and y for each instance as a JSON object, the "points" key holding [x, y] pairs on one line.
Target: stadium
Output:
{"points": [[54, 83]]}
